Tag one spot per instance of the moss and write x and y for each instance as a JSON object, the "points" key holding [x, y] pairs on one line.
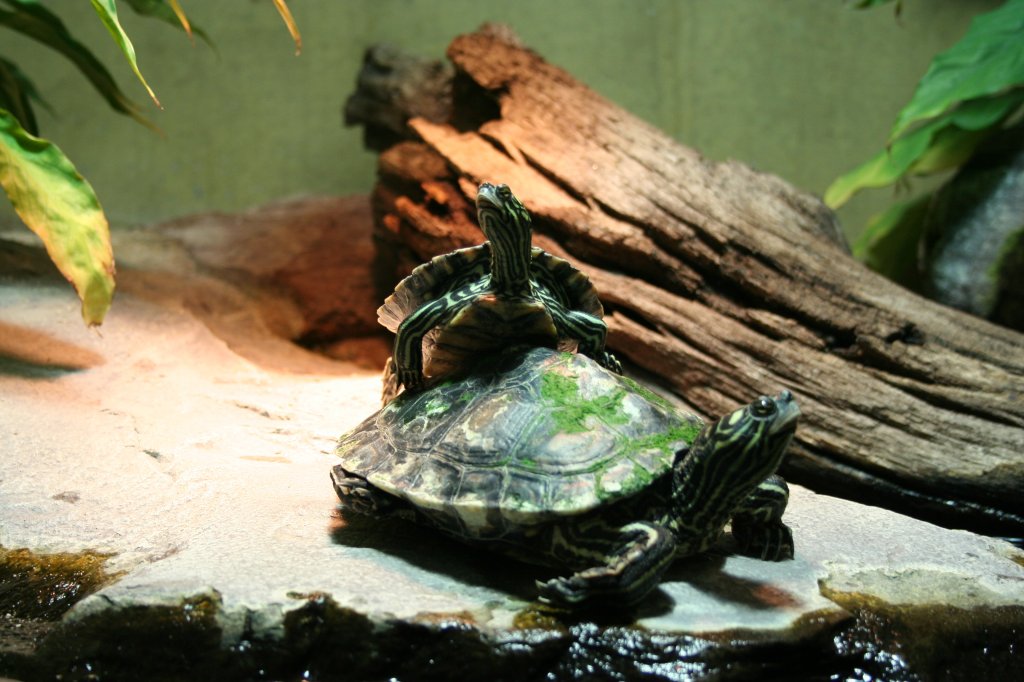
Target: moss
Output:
{"points": [[45, 586], [638, 478], [1006, 262], [558, 388], [647, 394], [664, 441], [436, 406], [569, 410]]}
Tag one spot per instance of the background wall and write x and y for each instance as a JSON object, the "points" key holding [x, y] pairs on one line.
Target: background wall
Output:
{"points": [[805, 89]]}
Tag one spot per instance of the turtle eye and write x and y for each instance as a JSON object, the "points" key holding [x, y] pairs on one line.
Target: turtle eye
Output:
{"points": [[763, 407], [504, 192]]}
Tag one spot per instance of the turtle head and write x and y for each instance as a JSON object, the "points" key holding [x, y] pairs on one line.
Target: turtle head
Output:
{"points": [[506, 223], [729, 459], [500, 213]]}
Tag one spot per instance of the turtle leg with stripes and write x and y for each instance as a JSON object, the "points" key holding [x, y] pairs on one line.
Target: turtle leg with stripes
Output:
{"points": [[636, 556], [589, 331], [757, 523], [406, 364]]}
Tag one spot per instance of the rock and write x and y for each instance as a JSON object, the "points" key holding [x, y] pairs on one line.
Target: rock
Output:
{"points": [[974, 244], [190, 446], [315, 251]]}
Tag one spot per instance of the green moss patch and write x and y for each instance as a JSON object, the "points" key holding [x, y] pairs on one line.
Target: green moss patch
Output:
{"points": [[649, 395], [570, 410], [436, 406], [665, 441]]}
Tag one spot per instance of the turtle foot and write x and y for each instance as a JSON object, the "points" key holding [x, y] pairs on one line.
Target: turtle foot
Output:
{"points": [[609, 362], [768, 542], [355, 494], [412, 379], [569, 591]]}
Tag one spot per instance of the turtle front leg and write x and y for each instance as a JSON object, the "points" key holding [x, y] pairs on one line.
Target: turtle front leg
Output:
{"points": [[640, 553], [589, 332], [757, 524], [407, 361]]}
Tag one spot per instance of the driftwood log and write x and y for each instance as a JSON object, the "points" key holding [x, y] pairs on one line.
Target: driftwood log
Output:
{"points": [[720, 281]]}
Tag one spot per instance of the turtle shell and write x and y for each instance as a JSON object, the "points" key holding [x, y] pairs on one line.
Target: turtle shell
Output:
{"points": [[454, 270], [524, 438]]}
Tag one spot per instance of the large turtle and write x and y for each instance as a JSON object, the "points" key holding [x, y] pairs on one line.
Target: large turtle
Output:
{"points": [[484, 298], [551, 458]]}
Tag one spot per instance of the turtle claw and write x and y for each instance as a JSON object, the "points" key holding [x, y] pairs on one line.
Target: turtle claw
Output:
{"points": [[609, 361], [410, 378], [566, 591]]}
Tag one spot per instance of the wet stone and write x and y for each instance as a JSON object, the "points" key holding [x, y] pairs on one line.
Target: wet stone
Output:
{"points": [[187, 453]]}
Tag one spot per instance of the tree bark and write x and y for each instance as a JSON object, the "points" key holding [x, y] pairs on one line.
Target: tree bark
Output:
{"points": [[724, 283]]}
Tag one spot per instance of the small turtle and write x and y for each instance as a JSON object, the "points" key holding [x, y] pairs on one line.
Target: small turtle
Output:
{"points": [[484, 298], [548, 457]]}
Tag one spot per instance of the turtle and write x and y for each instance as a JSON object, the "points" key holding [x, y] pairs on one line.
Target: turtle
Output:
{"points": [[551, 458], [483, 298]]}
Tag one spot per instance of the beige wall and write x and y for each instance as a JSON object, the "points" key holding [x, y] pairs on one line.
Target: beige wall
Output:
{"points": [[801, 88]]}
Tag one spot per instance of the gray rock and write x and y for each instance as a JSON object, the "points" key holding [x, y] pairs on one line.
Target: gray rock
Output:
{"points": [[200, 464], [975, 234]]}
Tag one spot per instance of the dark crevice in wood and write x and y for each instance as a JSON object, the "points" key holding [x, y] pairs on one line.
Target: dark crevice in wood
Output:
{"points": [[676, 246], [473, 105], [908, 334], [635, 317], [555, 179]]}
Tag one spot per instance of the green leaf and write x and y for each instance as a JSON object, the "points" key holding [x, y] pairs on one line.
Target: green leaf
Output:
{"points": [[107, 11], [987, 61], [938, 145], [889, 242], [57, 203], [35, 21], [884, 168], [169, 12], [16, 93]]}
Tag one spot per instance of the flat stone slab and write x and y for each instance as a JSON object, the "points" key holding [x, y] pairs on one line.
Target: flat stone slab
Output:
{"points": [[191, 444]]}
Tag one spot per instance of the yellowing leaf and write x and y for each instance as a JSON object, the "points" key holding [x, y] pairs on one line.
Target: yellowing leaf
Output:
{"points": [[107, 11], [282, 8], [180, 13], [57, 203], [171, 12]]}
